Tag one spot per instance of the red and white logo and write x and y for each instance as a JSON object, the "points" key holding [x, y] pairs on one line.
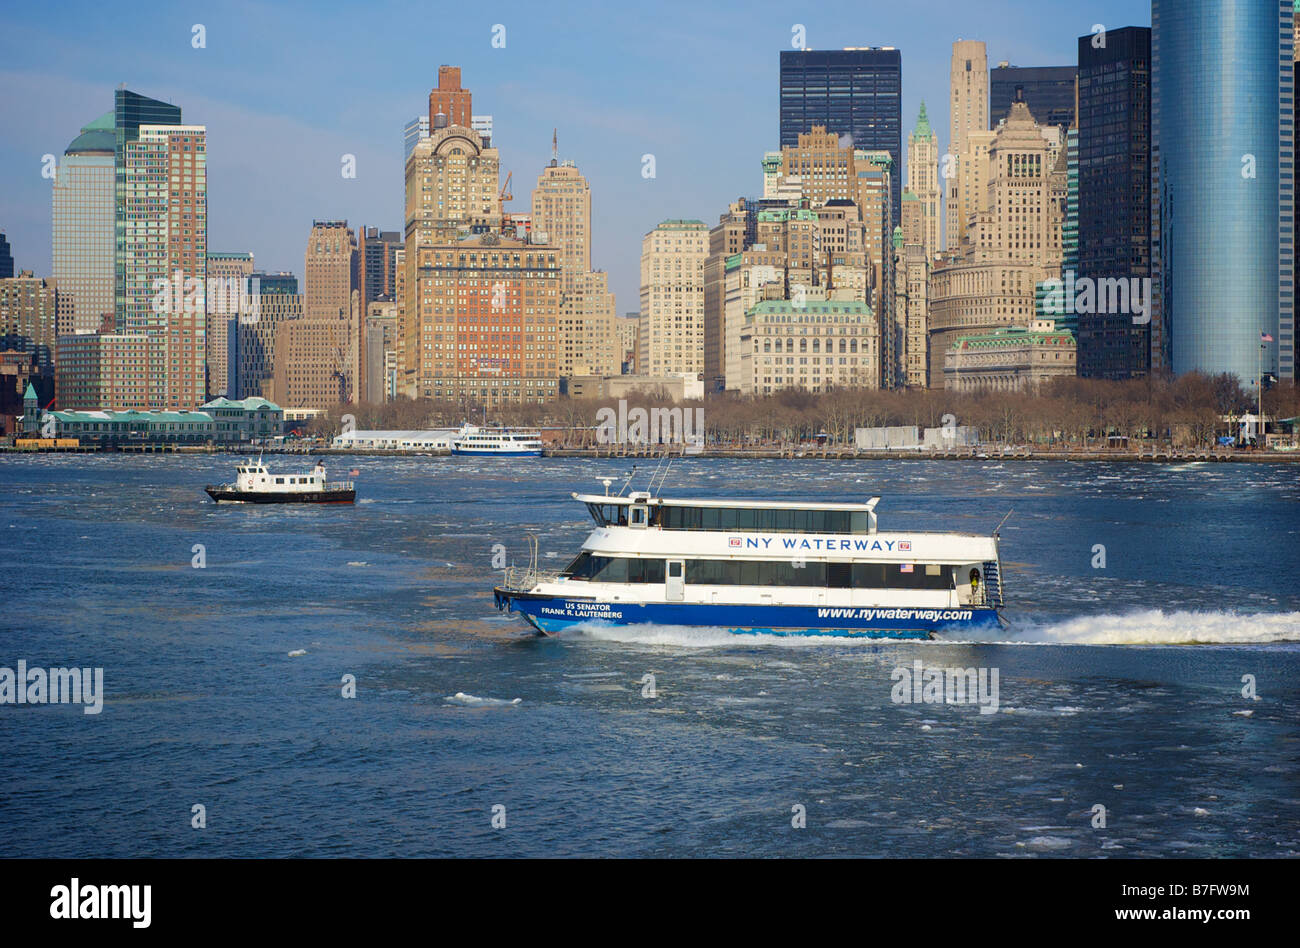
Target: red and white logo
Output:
{"points": [[905, 544], [734, 541]]}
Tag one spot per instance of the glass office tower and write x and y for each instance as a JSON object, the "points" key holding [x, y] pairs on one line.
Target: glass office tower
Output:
{"points": [[856, 91], [1047, 90], [1114, 195], [1222, 185], [83, 227]]}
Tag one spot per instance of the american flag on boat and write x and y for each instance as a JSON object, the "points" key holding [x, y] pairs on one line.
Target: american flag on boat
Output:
{"points": [[905, 567]]}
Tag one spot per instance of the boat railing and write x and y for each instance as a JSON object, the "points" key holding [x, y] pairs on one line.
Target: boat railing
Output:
{"points": [[524, 578], [338, 485]]}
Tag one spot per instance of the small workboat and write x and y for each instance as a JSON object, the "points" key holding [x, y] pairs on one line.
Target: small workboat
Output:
{"points": [[254, 484]]}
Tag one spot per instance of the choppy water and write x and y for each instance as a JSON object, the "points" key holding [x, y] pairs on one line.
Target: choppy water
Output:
{"points": [[1118, 686]]}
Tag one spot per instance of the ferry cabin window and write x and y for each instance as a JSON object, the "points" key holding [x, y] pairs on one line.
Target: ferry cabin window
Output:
{"points": [[817, 574], [607, 569], [609, 515], [758, 520]]}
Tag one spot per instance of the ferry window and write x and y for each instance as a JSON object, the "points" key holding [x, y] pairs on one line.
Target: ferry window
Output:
{"points": [[578, 569], [839, 575], [675, 569], [868, 576], [638, 515], [279, 480], [613, 571]]}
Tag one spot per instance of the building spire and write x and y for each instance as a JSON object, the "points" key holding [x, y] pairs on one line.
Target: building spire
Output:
{"points": [[923, 129]]}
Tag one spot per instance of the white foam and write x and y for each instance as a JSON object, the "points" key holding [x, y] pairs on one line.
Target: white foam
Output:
{"points": [[700, 636], [1146, 627], [474, 701]]}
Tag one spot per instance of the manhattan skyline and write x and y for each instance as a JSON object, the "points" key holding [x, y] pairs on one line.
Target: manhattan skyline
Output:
{"points": [[286, 92]]}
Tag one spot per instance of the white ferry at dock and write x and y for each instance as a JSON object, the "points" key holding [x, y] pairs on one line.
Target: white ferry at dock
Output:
{"points": [[476, 441], [781, 568]]}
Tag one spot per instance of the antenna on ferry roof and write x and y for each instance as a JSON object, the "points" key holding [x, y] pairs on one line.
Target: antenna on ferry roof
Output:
{"points": [[630, 475], [607, 481], [1003, 520]]}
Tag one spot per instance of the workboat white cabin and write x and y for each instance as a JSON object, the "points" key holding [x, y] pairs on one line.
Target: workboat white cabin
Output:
{"points": [[496, 442], [761, 567], [254, 484]]}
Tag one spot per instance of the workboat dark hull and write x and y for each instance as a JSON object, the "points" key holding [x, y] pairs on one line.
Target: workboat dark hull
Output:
{"points": [[227, 495]]}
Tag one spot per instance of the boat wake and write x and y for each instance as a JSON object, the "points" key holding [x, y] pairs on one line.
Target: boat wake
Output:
{"points": [[1146, 627], [1139, 627]]}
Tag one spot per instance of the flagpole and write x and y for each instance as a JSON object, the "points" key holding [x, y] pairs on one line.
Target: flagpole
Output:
{"points": [[1259, 381]]}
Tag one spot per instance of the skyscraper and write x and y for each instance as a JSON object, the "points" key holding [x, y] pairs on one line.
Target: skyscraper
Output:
{"points": [[227, 298], [6, 258], [923, 180], [1222, 98], [672, 298], [1013, 243], [1047, 90], [1114, 195], [561, 218], [968, 112], [83, 227], [163, 230], [562, 215], [450, 100], [855, 92], [478, 313], [130, 111], [330, 268], [376, 258]]}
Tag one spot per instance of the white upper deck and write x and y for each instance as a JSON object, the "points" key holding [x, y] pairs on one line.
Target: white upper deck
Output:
{"points": [[639, 525]]}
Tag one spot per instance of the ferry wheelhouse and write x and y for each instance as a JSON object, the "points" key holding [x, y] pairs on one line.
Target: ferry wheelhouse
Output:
{"points": [[254, 484], [761, 567], [496, 442]]}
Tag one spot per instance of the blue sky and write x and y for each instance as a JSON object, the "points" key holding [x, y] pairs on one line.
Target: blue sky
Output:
{"points": [[286, 89]]}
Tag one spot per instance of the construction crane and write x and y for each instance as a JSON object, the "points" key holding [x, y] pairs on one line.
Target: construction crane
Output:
{"points": [[505, 194]]}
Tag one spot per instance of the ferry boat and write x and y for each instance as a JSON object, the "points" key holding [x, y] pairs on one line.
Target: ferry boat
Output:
{"points": [[255, 485], [496, 442], [754, 567]]}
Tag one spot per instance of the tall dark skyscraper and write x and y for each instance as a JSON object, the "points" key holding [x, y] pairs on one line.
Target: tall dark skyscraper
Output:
{"points": [[1114, 160], [856, 91], [1048, 91], [1223, 178], [6, 258]]}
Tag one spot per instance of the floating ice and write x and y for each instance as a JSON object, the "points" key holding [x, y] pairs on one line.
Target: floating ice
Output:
{"points": [[474, 701]]}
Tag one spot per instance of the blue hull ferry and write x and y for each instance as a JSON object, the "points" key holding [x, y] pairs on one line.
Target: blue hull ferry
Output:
{"points": [[754, 567]]}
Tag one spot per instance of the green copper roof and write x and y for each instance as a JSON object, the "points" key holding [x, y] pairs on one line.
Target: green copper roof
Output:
{"points": [[97, 136], [898, 237], [1013, 334], [923, 129], [30, 394], [821, 307]]}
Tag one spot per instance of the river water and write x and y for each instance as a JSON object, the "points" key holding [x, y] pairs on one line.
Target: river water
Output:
{"points": [[1126, 687]]}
